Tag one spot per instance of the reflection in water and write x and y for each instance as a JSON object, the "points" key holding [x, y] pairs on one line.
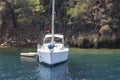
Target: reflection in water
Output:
{"points": [[28, 59], [57, 72], [45, 72]]}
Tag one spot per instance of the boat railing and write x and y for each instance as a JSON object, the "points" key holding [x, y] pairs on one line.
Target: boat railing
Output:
{"points": [[39, 46], [66, 45]]}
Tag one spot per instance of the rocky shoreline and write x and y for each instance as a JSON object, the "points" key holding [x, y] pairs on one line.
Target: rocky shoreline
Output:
{"points": [[30, 37]]}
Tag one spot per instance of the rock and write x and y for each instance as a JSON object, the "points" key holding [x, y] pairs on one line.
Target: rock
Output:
{"points": [[73, 41], [80, 41]]}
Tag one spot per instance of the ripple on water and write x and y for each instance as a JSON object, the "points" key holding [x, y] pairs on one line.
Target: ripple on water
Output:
{"points": [[83, 64]]}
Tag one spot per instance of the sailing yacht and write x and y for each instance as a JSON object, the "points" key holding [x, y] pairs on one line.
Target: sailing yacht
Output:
{"points": [[53, 50]]}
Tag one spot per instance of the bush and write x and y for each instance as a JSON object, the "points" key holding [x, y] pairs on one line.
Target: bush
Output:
{"points": [[105, 30]]}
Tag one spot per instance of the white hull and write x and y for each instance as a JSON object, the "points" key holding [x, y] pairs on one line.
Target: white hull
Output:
{"points": [[30, 54], [50, 53], [51, 58]]}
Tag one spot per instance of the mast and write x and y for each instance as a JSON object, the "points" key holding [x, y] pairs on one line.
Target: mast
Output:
{"points": [[53, 12]]}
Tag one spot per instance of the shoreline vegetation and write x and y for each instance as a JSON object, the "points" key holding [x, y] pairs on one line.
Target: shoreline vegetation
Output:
{"points": [[85, 23]]}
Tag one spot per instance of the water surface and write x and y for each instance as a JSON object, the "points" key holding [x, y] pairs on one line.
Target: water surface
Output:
{"points": [[83, 64]]}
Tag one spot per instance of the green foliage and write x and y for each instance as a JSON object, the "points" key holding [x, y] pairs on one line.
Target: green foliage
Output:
{"points": [[25, 9], [37, 5], [75, 13], [2, 5], [109, 20], [1, 8], [72, 17], [79, 9]]}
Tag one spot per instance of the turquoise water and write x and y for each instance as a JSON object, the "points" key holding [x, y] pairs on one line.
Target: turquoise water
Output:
{"points": [[83, 64]]}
